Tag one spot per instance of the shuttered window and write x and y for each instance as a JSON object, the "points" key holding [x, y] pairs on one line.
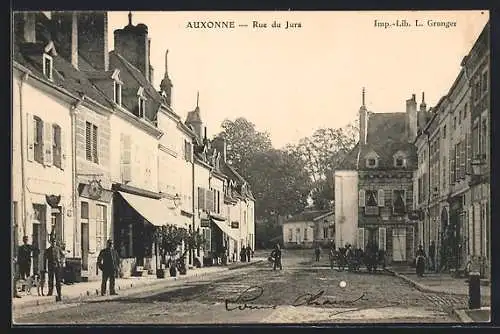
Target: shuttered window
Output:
{"points": [[361, 238], [91, 142], [361, 198], [201, 198], [382, 235], [381, 197], [452, 165], [187, 150], [38, 139], [57, 145]]}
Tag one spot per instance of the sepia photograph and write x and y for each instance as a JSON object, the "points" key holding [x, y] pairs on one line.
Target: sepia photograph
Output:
{"points": [[250, 167]]}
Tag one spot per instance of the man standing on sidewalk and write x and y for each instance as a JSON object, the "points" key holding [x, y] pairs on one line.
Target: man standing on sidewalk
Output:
{"points": [[55, 262], [109, 263], [432, 254], [24, 258]]}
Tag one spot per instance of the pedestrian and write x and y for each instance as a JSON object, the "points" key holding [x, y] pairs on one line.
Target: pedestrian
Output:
{"points": [[54, 261], [432, 254], [420, 261], [109, 263], [277, 257], [15, 278], [331, 255], [249, 253], [243, 254], [317, 252], [24, 254]]}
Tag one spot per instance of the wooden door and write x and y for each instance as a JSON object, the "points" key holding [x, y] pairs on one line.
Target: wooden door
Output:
{"points": [[399, 244], [85, 245]]}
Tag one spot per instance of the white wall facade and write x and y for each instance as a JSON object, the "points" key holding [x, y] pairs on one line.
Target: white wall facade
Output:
{"points": [[31, 99], [346, 207]]}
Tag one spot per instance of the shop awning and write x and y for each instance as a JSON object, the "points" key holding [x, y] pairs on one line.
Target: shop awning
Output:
{"points": [[226, 229], [153, 210]]}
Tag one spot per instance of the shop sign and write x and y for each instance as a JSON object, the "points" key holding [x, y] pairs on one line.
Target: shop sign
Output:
{"points": [[235, 224], [205, 223]]}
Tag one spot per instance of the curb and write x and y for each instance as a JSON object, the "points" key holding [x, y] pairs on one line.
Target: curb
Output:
{"points": [[423, 287], [92, 294], [462, 315], [95, 293]]}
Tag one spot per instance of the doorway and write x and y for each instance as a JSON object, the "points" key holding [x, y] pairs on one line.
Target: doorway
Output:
{"points": [[399, 244], [39, 236], [85, 245]]}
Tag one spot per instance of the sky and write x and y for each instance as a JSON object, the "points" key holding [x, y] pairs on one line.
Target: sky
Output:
{"points": [[290, 82]]}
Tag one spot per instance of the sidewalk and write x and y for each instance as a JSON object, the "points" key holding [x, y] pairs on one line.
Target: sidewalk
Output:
{"points": [[85, 290], [444, 283], [439, 283]]}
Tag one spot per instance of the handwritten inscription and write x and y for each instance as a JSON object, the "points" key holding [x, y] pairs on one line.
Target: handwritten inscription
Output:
{"points": [[253, 293]]}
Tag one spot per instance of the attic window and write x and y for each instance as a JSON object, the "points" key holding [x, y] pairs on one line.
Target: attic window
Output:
{"points": [[142, 107], [117, 93], [399, 162], [47, 66], [371, 162]]}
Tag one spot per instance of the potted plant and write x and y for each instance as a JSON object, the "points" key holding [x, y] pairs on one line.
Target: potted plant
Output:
{"points": [[171, 238]]}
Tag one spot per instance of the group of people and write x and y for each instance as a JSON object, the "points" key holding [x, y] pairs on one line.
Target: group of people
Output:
{"points": [[246, 254], [54, 262]]}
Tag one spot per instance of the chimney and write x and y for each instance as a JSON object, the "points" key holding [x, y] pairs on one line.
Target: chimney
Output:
{"points": [[411, 118], [29, 23], [421, 113], [363, 120], [221, 146], [132, 43], [93, 38]]}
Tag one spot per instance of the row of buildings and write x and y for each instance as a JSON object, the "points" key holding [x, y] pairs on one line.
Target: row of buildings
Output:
{"points": [[98, 152], [422, 176]]}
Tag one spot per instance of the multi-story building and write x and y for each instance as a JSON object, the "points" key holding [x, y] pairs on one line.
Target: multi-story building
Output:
{"points": [[99, 153], [452, 181], [476, 67], [380, 172], [309, 228]]}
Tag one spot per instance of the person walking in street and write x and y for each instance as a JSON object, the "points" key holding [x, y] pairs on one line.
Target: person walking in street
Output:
{"points": [[109, 263], [331, 255], [249, 253], [24, 254], [54, 261], [420, 261], [432, 254], [317, 252], [277, 257], [243, 254]]}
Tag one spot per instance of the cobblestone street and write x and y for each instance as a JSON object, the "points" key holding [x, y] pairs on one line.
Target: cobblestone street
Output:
{"points": [[298, 293]]}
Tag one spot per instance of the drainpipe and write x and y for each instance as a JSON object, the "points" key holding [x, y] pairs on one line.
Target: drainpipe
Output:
{"points": [[24, 210], [426, 132], [195, 252], [74, 112]]}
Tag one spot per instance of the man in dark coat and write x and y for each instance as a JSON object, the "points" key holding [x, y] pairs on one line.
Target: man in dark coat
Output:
{"points": [[24, 254], [277, 257], [243, 254], [109, 263], [249, 253], [317, 252], [54, 261]]}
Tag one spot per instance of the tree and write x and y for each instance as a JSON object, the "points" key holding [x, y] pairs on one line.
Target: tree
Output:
{"points": [[322, 153], [243, 142], [280, 183]]}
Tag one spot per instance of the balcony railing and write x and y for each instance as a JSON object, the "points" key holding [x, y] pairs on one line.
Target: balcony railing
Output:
{"points": [[371, 210]]}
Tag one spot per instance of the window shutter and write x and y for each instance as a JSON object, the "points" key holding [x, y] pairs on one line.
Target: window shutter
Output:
{"points": [[404, 200], [88, 141], [468, 168], [47, 144], [92, 227], [125, 145], [362, 198], [30, 123], [95, 141], [381, 197], [136, 164], [361, 238], [62, 146], [78, 242], [209, 199], [382, 235], [452, 166], [201, 198]]}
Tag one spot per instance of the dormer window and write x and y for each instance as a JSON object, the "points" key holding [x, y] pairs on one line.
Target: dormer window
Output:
{"points": [[399, 160], [371, 162], [47, 66], [117, 93], [117, 87], [141, 103]]}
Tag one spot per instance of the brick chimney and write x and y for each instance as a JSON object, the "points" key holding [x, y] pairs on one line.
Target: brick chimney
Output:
{"points": [[411, 118], [93, 38], [132, 43], [363, 120], [66, 24], [221, 146]]}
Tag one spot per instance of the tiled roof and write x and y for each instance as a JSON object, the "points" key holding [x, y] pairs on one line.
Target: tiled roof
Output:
{"points": [[308, 215], [64, 74], [386, 135]]}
